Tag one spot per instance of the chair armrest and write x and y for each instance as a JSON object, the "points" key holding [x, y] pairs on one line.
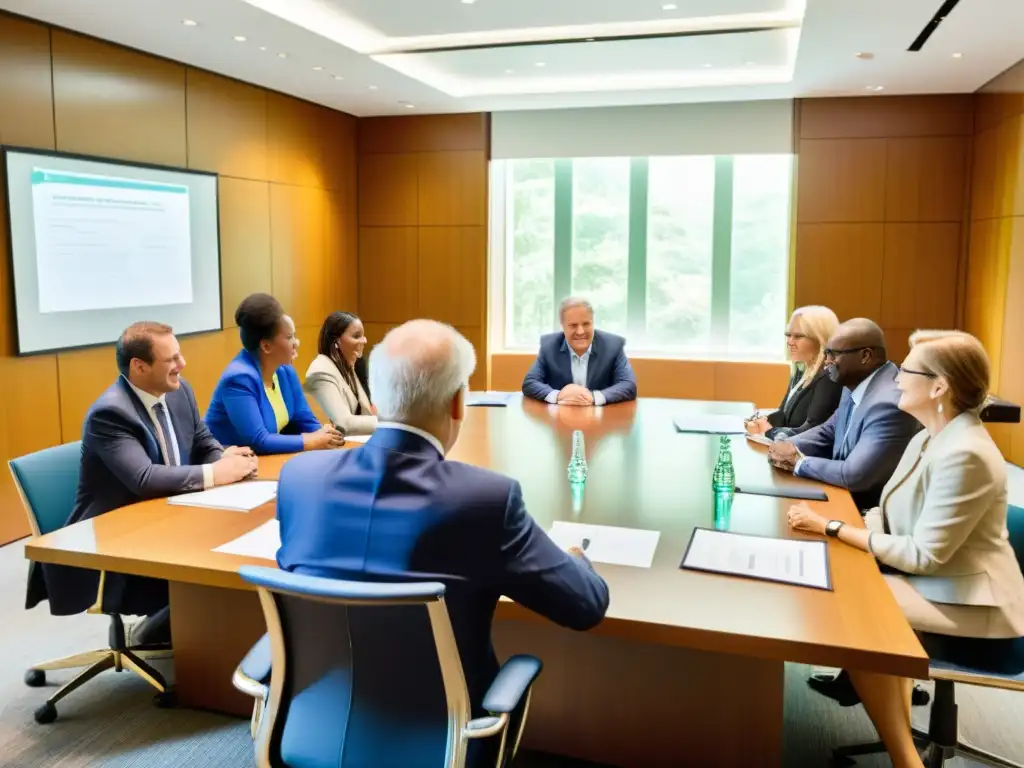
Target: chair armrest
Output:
{"points": [[253, 674], [511, 683]]}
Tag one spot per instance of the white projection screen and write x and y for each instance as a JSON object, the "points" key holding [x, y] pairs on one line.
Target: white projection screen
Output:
{"points": [[96, 245]]}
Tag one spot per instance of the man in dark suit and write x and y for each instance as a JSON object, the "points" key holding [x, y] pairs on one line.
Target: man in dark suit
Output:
{"points": [[581, 365], [142, 439], [860, 445], [395, 508]]}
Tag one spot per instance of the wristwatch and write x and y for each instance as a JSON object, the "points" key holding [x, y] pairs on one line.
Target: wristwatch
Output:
{"points": [[832, 527]]}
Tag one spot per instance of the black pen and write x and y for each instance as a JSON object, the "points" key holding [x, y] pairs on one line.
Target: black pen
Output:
{"points": [[584, 544]]}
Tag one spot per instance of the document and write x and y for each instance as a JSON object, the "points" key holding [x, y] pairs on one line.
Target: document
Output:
{"points": [[240, 497], [760, 439], [493, 399], [608, 544], [790, 561], [356, 438], [260, 542], [710, 423]]}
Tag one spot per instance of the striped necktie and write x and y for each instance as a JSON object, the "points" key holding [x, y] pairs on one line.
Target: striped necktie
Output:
{"points": [[170, 449]]}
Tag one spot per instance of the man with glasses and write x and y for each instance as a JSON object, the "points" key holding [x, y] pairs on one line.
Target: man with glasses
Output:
{"points": [[859, 447]]}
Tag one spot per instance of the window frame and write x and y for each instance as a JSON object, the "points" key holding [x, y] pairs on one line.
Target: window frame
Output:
{"points": [[500, 249]]}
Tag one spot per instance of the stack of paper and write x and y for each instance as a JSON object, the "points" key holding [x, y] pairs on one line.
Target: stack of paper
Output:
{"points": [[495, 399], [710, 423], [240, 497], [607, 544], [356, 438], [791, 561], [260, 542]]}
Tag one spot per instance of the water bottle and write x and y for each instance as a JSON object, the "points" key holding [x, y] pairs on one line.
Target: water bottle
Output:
{"points": [[723, 479], [578, 462], [723, 510]]}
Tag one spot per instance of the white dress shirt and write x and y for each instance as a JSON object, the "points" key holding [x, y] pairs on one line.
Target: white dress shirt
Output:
{"points": [[856, 395], [413, 430], [171, 440], [579, 366]]}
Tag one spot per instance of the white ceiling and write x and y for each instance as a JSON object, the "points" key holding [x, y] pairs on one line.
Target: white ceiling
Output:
{"points": [[370, 57]]}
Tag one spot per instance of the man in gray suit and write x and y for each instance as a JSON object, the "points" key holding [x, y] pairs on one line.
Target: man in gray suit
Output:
{"points": [[859, 447], [142, 439]]}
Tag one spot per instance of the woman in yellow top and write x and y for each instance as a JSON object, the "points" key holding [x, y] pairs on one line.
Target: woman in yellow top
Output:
{"points": [[259, 401]]}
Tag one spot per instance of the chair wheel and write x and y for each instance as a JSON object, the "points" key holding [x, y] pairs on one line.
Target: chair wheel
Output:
{"points": [[35, 678], [46, 714], [166, 700]]}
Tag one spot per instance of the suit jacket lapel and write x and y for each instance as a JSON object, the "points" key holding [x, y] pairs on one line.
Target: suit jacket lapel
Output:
{"points": [[181, 420], [797, 396], [152, 445], [592, 362], [565, 362], [865, 402]]}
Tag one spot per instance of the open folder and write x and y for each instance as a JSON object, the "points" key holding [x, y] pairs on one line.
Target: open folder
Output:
{"points": [[789, 561]]}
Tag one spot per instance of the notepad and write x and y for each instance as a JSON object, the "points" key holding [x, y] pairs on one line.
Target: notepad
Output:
{"points": [[240, 497], [608, 544], [260, 542], [710, 423], [789, 561], [492, 399]]}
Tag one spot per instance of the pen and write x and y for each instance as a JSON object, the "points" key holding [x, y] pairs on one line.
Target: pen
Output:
{"points": [[584, 544]]}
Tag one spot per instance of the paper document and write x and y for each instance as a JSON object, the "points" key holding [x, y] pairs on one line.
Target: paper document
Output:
{"points": [[614, 546], [489, 398], [710, 423], [760, 439], [759, 557], [356, 438], [240, 497], [259, 542]]}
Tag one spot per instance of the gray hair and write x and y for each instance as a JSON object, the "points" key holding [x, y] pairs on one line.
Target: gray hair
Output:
{"points": [[417, 369], [571, 302]]}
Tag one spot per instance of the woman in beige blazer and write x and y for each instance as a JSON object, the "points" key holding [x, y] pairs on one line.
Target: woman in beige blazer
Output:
{"points": [[941, 524], [337, 376]]}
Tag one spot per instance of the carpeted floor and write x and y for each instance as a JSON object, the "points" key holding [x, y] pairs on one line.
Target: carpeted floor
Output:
{"points": [[111, 722]]}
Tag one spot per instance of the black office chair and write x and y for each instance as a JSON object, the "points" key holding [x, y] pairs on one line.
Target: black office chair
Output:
{"points": [[989, 663], [46, 482]]}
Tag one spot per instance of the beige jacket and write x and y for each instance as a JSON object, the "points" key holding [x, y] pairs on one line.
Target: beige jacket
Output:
{"points": [[946, 508], [325, 383]]}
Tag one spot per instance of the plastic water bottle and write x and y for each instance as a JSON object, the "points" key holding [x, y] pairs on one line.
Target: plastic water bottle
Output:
{"points": [[723, 510], [578, 462], [723, 479]]}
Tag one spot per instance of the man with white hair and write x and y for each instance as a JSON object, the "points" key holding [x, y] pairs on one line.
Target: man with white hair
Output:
{"points": [[396, 507], [580, 365]]}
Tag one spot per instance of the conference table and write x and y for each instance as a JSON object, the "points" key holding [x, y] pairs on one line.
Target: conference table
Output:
{"points": [[687, 667]]}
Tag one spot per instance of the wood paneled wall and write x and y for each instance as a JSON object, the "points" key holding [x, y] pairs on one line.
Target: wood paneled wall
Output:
{"points": [[423, 225], [287, 206], [881, 201], [994, 300]]}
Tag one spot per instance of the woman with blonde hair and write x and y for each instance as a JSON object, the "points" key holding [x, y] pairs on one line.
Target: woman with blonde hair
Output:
{"points": [[940, 528], [812, 397]]}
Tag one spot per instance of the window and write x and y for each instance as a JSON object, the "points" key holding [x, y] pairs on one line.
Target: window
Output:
{"points": [[685, 256]]}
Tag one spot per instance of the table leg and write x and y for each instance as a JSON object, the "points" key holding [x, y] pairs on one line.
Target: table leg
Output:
{"points": [[635, 705], [212, 629]]}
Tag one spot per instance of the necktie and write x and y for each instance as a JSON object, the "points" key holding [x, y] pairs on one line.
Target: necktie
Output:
{"points": [[170, 449], [839, 441]]}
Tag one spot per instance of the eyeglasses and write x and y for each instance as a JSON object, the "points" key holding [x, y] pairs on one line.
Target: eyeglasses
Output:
{"points": [[835, 353], [926, 374]]}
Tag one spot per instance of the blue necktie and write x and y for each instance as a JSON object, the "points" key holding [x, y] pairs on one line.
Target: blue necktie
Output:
{"points": [[165, 427], [842, 426]]}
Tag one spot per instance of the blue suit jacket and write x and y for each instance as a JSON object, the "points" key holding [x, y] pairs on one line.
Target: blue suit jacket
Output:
{"points": [[240, 412], [395, 509], [608, 369], [876, 437]]}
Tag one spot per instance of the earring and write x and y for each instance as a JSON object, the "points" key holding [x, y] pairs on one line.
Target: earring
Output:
{"points": [[940, 407]]}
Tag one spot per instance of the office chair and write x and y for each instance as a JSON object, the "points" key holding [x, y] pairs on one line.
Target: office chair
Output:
{"points": [[47, 482], [369, 674], [988, 663]]}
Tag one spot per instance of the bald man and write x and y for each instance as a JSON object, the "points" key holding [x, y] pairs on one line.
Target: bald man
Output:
{"points": [[859, 447], [396, 508]]}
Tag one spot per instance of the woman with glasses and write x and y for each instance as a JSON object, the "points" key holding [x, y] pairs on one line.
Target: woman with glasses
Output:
{"points": [[812, 396], [940, 527]]}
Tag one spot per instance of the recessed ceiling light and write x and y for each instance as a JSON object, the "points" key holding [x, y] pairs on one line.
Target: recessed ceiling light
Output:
{"points": [[468, 2], [707, 66], [318, 69], [509, 71], [190, 23], [540, 64], [282, 55], [339, 77], [865, 55], [263, 47], [875, 88], [958, 55], [373, 87], [669, 7], [239, 38]]}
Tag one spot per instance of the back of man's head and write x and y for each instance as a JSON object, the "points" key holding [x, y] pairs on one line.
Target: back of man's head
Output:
{"points": [[417, 370]]}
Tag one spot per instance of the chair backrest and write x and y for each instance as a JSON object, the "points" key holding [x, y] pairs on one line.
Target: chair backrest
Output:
{"points": [[47, 482], [1015, 526], [364, 674]]}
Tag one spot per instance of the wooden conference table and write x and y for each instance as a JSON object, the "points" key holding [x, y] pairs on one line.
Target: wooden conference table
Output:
{"points": [[687, 668]]}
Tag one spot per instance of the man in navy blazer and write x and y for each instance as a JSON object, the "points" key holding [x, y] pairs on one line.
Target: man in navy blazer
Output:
{"points": [[860, 445], [581, 365], [142, 439], [396, 508]]}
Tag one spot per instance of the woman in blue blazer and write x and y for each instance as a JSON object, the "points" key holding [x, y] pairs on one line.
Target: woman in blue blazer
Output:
{"points": [[259, 401]]}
